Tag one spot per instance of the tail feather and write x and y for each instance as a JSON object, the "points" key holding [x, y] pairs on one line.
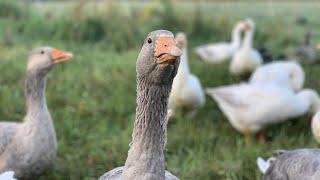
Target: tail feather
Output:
{"points": [[9, 175], [264, 165]]}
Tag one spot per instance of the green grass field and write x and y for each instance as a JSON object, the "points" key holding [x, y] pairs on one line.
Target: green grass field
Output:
{"points": [[92, 99]]}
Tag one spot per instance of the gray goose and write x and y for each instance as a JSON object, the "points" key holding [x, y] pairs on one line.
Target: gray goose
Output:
{"points": [[306, 51], [29, 148], [300, 164], [156, 66]]}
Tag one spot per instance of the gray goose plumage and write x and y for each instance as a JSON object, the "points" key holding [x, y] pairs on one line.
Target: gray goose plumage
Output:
{"points": [[156, 67], [300, 164], [29, 148]]}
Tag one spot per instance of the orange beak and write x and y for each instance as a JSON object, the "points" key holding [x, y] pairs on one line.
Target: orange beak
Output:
{"points": [[166, 51], [59, 56]]}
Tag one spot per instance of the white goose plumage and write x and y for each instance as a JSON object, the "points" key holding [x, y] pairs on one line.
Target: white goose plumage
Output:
{"points": [[9, 175], [222, 51], [186, 90], [246, 59], [283, 73], [315, 126], [251, 107]]}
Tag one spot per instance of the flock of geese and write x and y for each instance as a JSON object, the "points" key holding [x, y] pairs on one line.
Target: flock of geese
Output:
{"points": [[165, 85]]}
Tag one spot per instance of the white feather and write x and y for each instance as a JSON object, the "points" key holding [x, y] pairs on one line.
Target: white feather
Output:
{"points": [[9, 175], [264, 165], [246, 59], [221, 51], [251, 107], [315, 126], [186, 90], [283, 73]]}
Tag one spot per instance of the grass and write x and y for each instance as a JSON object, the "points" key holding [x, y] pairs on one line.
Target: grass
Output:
{"points": [[92, 99]]}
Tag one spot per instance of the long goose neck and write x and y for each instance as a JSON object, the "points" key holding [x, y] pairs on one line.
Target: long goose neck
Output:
{"points": [[311, 98], [183, 69], [247, 42], [146, 155], [36, 105], [236, 37]]}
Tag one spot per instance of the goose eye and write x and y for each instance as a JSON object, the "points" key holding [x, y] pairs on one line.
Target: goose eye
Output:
{"points": [[149, 40], [42, 52]]}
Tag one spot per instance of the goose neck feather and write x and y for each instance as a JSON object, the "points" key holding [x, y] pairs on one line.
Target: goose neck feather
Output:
{"points": [[312, 98], [247, 42], [236, 36], [146, 158], [183, 70], [36, 105]]}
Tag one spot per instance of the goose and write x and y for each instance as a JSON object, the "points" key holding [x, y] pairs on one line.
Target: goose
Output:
{"points": [[306, 51], [251, 107], [9, 175], [246, 59], [156, 66], [287, 73], [186, 91], [297, 164], [223, 51], [29, 148], [315, 126]]}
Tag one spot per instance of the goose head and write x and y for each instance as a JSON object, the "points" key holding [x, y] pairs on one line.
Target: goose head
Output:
{"points": [[240, 26], [158, 59], [249, 24], [42, 59], [181, 40]]}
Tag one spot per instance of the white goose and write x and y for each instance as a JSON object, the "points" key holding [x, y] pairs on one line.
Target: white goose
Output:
{"points": [[246, 59], [287, 73], [223, 51], [251, 107], [9, 175], [315, 126], [186, 90]]}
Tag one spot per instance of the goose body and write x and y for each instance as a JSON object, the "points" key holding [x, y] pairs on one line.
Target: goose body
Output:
{"points": [[295, 165], [29, 148], [246, 59], [7, 132], [186, 90], [223, 51], [9, 175], [156, 67], [282, 73], [251, 107], [116, 173]]}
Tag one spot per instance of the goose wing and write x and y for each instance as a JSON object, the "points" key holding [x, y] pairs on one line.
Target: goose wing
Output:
{"points": [[7, 131], [298, 164]]}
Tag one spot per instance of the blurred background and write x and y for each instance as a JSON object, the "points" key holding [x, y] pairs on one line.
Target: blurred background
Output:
{"points": [[92, 99]]}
